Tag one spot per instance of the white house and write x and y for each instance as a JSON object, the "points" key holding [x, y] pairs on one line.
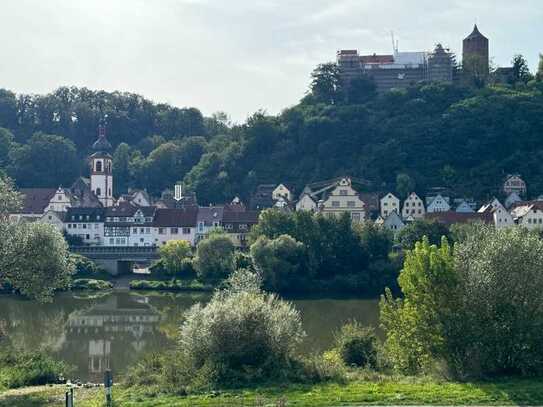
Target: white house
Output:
{"points": [[306, 203], [438, 204], [344, 199], [413, 207], [87, 224], [464, 207], [53, 218], [175, 224], [513, 183], [60, 201], [394, 222], [281, 191], [141, 233], [388, 204], [501, 216], [208, 219], [529, 214]]}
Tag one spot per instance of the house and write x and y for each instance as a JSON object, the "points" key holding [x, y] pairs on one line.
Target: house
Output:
{"points": [[464, 207], [344, 199], [208, 219], [452, 217], [388, 204], [371, 202], [119, 224], [86, 224], [501, 216], [138, 197], [141, 226], [263, 197], [528, 214], [513, 183], [393, 222], [438, 204], [175, 224], [413, 207], [238, 221], [306, 202], [281, 191], [512, 199], [35, 200], [53, 218], [60, 201]]}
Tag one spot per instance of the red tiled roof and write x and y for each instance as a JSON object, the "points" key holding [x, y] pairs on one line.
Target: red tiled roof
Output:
{"points": [[36, 199], [175, 217], [377, 59], [452, 217]]}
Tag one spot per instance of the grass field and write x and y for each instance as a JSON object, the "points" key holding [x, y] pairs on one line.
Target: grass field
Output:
{"points": [[385, 392]]}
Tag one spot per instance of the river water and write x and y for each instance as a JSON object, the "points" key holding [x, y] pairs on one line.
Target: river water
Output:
{"points": [[96, 332]]}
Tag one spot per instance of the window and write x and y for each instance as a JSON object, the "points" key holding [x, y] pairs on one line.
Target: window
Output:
{"points": [[111, 241], [73, 217], [84, 226], [335, 204], [80, 217], [69, 225], [161, 231], [96, 226], [87, 217], [135, 231], [385, 203], [87, 237], [98, 192], [98, 166], [351, 204], [228, 226], [97, 217], [186, 231], [147, 230], [174, 231], [343, 192], [385, 212], [420, 212], [355, 217], [243, 226]]}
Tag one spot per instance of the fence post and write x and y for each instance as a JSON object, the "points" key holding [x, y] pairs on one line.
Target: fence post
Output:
{"points": [[70, 398], [108, 382]]}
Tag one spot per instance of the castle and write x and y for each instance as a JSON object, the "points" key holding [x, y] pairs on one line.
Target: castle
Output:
{"points": [[403, 69]]}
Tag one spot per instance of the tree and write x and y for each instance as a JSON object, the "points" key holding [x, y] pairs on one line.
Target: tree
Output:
{"points": [[416, 230], [10, 199], [414, 324], [326, 84], [539, 74], [214, 257], [404, 185], [521, 70], [360, 89], [282, 262], [121, 168], [173, 254], [6, 142], [46, 161]]}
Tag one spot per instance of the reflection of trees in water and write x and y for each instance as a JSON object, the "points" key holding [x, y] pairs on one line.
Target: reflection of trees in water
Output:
{"points": [[321, 318]]}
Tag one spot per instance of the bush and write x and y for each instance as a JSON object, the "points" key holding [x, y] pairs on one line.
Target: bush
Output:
{"points": [[84, 267], [172, 285], [20, 368], [357, 345], [91, 284], [173, 256], [242, 336]]}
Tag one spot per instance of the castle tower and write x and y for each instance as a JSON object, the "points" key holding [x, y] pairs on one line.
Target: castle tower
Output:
{"points": [[440, 65], [101, 162], [475, 56]]}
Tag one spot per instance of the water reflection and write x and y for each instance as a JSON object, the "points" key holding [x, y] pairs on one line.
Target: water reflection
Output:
{"points": [[112, 331]]}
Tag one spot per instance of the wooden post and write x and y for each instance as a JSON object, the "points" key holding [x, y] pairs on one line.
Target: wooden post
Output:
{"points": [[108, 383]]}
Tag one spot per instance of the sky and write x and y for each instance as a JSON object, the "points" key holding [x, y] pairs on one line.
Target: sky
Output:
{"points": [[236, 56]]}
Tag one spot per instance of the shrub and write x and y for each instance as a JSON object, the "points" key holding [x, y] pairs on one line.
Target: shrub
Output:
{"points": [[172, 285], [91, 284], [21, 368], [241, 336], [357, 345], [173, 254], [84, 266]]}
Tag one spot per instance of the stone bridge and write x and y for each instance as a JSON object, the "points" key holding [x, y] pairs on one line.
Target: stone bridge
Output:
{"points": [[118, 259]]}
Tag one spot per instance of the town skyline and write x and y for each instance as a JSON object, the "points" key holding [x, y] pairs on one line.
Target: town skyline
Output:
{"points": [[180, 52]]}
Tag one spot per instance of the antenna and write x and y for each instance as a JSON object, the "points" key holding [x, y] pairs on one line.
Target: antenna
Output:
{"points": [[394, 43]]}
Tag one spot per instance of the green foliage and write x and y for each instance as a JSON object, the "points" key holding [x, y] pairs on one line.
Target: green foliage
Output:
{"points": [[214, 257], [281, 262], [416, 230], [521, 70], [10, 199], [20, 368], [91, 284], [539, 74], [84, 266], [404, 185], [241, 336], [171, 285], [326, 84], [357, 345], [414, 325], [6, 143], [174, 255]]}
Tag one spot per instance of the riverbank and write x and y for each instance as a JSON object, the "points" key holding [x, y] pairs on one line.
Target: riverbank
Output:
{"points": [[387, 391]]}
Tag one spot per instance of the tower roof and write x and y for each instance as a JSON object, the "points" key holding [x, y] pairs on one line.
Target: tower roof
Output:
{"points": [[475, 34], [102, 144]]}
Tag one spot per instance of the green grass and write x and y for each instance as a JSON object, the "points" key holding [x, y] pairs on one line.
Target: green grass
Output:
{"points": [[384, 392], [169, 285]]}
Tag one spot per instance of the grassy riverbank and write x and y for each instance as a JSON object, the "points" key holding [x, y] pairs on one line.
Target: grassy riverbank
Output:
{"points": [[387, 391]]}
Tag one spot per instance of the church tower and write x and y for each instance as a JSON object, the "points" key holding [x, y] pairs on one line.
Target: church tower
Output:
{"points": [[101, 162], [475, 55]]}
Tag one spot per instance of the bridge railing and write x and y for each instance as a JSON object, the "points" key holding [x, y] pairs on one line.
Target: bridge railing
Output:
{"points": [[115, 249]]}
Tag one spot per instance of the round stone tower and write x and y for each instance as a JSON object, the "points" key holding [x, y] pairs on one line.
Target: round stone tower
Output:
{"points": [[475, 56]]}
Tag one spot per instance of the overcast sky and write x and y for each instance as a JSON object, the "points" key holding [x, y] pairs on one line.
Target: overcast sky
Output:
{"points": [[236, 56]]}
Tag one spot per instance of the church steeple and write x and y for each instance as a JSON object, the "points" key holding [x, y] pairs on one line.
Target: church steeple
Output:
{"points": [[101, 164]]}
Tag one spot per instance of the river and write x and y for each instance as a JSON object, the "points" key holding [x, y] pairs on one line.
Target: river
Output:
{"points": [[111, 331]]}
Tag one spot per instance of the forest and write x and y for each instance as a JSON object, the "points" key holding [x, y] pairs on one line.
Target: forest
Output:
{"points": [[459, 136]]}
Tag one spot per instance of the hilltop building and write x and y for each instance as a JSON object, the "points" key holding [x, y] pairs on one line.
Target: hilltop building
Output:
{"points": [[475, 54]]}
